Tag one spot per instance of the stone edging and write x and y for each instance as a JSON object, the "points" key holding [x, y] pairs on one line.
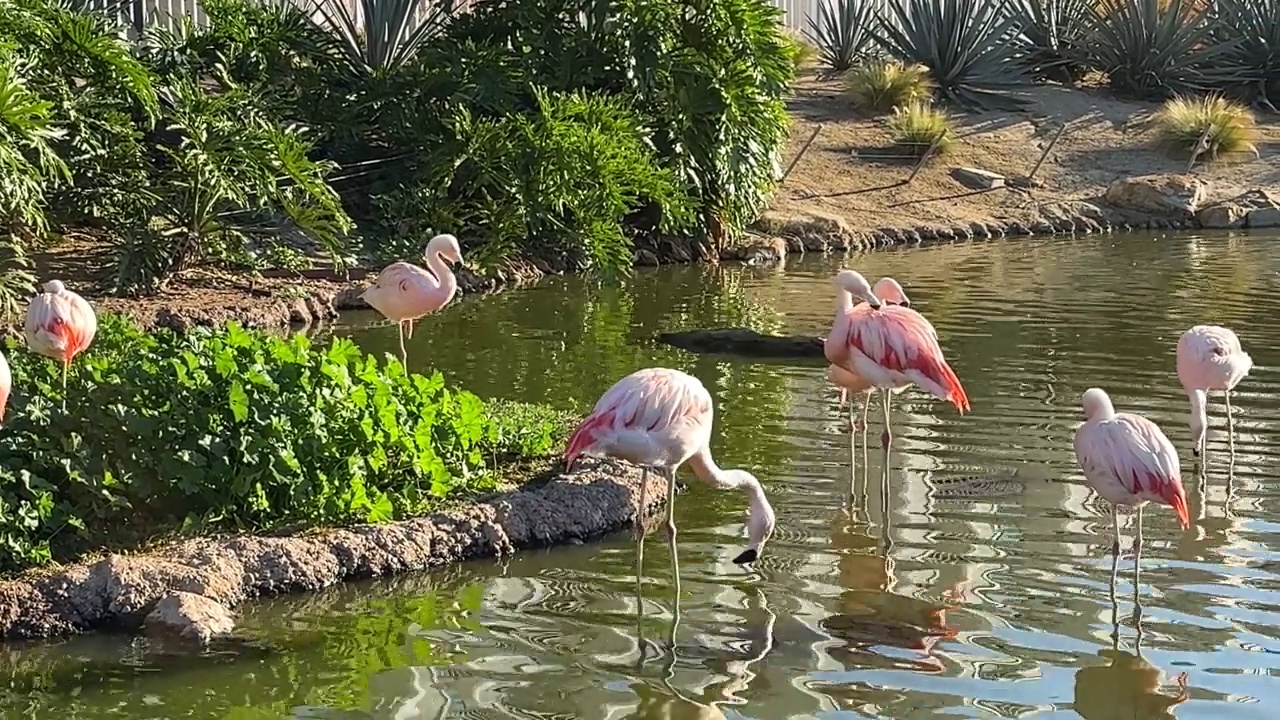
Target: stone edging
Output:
{"points": [[186, 590]]}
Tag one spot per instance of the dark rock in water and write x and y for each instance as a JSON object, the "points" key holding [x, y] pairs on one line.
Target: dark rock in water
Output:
{"points": [[741, 341]]}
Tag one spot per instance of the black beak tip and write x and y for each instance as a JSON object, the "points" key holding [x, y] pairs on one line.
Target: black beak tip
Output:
{"points": [[876, 306], [747, 556], [906, 303], [1195, 453]]}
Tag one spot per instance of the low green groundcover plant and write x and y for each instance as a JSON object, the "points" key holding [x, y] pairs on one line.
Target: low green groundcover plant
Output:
{"points": [[235, 429]]}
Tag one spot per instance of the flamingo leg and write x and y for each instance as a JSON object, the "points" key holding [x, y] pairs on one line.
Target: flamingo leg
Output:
{"points": [[886, 436], [675, 562], [885, 519], [639, 530], [404, 356], [66, 365], [1231, 433], [1137, 570], [1115, 525], [410, 323]]}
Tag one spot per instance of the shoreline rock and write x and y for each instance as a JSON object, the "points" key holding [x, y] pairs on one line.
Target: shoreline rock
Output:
{"points": [[187, 589]]}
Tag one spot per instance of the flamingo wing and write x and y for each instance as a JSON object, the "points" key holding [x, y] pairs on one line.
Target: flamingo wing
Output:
{"points": [[1210, 357], [1130, 454], [655, 415], [901, 340], [404, 291]]}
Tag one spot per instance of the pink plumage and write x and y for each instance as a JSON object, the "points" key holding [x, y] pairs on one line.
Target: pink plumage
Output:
{"points": [[888, 345], [1127, 459], [6, 384], [662, 417], [405, 292], [1210, 358], [60, 324], [889, 291]]}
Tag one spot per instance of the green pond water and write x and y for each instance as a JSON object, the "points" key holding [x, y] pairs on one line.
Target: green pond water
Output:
{"points": [[986, 599]]}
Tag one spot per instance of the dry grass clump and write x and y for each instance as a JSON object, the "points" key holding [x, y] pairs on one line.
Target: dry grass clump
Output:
{"points": [[1182, 121], [886, 84], [917, 125]]}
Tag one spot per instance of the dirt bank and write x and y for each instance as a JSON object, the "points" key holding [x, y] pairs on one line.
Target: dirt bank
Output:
{"points": [[189, 588]]}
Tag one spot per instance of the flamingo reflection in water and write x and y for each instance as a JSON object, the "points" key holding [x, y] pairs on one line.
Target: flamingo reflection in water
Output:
{"points": [[658, 417]]}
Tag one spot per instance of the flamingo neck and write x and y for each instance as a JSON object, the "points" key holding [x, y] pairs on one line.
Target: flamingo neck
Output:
{"points": [[844, 300], [445, 279], [705, 468], [1199, 420]]}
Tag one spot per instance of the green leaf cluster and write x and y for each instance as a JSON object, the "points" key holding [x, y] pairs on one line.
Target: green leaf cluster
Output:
{"points": [[233, 429]]}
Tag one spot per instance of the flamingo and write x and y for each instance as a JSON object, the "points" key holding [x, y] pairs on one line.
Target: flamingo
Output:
{"points": [[1127, 460], [889, 291], [659, 417], [60, 325], [405, 292], [6, 384], [1210, 358], [888, 345]]}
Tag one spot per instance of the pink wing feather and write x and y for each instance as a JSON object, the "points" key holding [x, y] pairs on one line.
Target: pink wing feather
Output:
{"points": [[901, 339], [1130, 453], [669, 406]]}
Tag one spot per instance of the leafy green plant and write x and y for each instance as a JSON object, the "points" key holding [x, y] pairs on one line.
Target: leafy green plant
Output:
{"points": [[569, 175], [802, 51], [1224, 125], [918, 126], [1248, 35], [382, 36], [1154, 48], [844, 32], [882, 85], [233, 429], [1054, 37], [969, 47]]}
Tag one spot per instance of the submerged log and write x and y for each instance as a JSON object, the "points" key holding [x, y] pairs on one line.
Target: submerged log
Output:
{"points": [[748, 343]]}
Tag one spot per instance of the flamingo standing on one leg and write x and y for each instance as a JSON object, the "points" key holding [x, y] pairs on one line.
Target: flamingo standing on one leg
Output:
{"points": [[1127, 460], [888, 345], [405, 292], [60, 325], [662, 418], [6, 384], [1210, 358]]}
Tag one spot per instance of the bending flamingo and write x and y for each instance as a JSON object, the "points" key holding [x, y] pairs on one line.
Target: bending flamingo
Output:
{"points": [[6, 384], [60, 325], [1210, 358], [888, 345], [662, 418], [1127, 460], [405, 292]]}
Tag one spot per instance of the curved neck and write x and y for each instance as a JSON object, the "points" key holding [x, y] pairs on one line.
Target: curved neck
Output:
{"points": [[1199, 421], [844, 300], [705, 468], [445, 278]]}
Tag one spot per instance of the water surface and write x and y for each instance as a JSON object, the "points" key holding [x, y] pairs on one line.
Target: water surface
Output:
{"points": [[972, 600]]}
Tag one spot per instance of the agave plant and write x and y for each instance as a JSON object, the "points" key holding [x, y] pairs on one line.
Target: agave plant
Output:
{"points": [[1248, 33], [842, 32], [1053, 39], [1155, 48], [968, 45], [380, 36]]}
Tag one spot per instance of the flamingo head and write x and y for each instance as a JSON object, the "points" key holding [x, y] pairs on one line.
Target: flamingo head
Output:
{"points": [[888, 290], [853, 283], [1097, 404], [760, 521], [447, 247], [55, 287]]}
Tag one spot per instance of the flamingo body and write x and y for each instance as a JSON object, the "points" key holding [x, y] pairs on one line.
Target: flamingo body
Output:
{"points": [[887, 290], [1127, 459], [6, 384], [60, 324], [1209, 358], [662, 417], [405, 292]]}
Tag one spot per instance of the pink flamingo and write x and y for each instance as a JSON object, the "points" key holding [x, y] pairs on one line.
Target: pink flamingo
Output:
{"points": [[889, 291], [6, 384], [60, 325], [405, 292], [1127, 460], [1210, 358], [888, 345], [658, 417]]}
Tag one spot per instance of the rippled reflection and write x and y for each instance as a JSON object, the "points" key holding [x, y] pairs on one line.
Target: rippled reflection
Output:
{"points": [[964, 572]]}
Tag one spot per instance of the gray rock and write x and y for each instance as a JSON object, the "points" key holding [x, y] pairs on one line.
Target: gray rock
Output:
{"points": [[189, 618], [1253, 209], [977, 179], [1168, 195]]}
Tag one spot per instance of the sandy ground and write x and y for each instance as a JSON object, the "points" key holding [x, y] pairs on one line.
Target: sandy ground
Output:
{"points": [[851, 171]]}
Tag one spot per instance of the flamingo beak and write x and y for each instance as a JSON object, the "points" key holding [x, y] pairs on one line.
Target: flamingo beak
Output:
{"points": [[906, 304]]}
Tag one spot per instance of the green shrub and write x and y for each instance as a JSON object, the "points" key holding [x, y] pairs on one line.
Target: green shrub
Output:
{"points": [[969, 47], [568, 175], [1154, 48], [1182, 121], [843, 32], [917, 126], [802, 52], [232, 429], [1053, 45], [883, 85]]}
